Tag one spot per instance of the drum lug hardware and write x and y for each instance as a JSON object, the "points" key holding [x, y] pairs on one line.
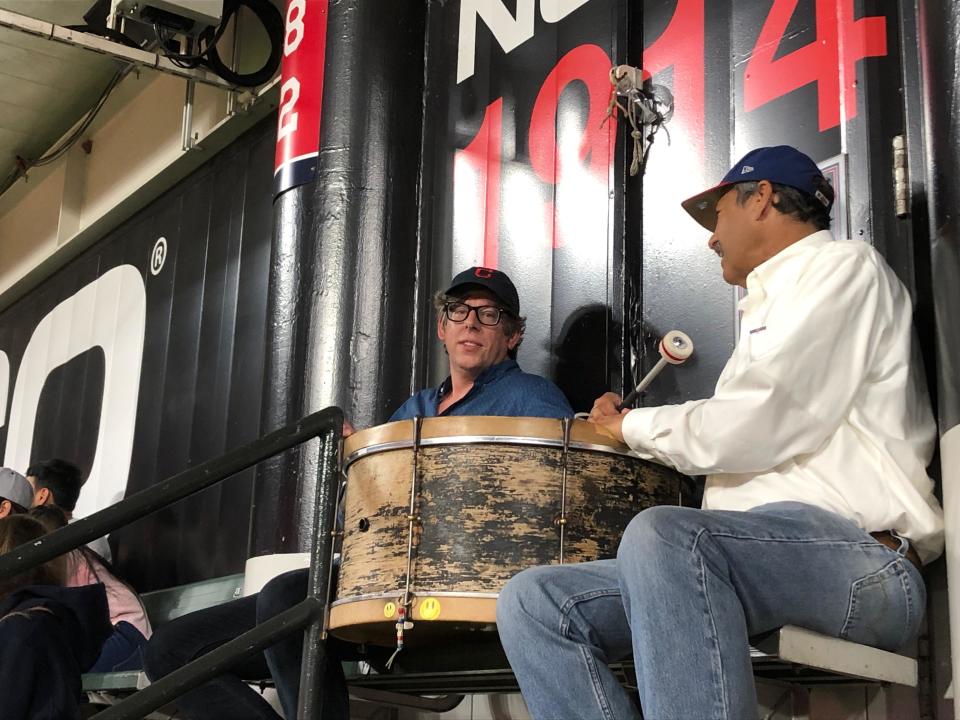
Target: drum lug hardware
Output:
{"points": [[404, 601], [413, 519], [559, 521], [336, 533]]}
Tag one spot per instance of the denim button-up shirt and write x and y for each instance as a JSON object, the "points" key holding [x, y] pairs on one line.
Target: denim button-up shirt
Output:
{"points": [[502, 389]]}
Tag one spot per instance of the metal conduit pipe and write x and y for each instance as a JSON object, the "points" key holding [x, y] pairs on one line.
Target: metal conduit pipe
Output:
{"points": [[102, 46]]}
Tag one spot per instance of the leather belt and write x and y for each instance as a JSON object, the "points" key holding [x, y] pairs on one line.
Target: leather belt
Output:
{"points": [[892, 542]]}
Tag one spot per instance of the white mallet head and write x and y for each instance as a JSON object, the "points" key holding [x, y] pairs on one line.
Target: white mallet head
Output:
{"points": [[676, 347]]}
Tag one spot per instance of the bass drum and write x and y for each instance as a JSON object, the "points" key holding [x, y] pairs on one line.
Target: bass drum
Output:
{"points": [[491, 496]]}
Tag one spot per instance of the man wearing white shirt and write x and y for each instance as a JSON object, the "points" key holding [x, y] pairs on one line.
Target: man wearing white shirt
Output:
{"points": [[817, 510]]}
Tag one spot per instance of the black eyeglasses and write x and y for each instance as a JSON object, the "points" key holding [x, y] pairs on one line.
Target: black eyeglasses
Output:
{"points": [[486, 314]]}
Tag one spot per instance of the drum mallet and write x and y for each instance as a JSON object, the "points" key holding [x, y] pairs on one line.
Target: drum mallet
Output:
{"points": [[675, 348]]}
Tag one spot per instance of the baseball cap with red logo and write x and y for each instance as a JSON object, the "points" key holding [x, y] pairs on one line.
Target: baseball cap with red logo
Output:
{"points": [[782, 164], [495, 281]]}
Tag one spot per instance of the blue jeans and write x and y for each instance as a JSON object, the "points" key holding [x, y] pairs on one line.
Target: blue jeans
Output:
{"points": [[178, 642], [122, 650], [686, 591]]}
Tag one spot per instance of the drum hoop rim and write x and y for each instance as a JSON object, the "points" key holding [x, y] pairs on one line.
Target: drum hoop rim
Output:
{"points": [[482, 440], [391, 596]]}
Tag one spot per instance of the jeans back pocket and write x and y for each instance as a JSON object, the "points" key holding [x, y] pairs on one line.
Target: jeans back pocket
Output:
{"points": [[885, 607]]}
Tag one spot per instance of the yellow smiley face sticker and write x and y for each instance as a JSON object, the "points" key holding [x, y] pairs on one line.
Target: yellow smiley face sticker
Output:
{"points": [[389, 610], [430, 609]]}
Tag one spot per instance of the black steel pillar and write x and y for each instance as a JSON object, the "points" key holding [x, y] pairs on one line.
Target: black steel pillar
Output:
{"points": [[341, 309], [940, 60], [940, 43]]}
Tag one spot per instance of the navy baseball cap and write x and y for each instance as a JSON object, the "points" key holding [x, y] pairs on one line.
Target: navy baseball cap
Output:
{"points": [[782, 164], [495, 281]]}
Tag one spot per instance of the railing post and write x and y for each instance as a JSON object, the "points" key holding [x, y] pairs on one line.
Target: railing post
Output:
{"points": [[313, 669]]}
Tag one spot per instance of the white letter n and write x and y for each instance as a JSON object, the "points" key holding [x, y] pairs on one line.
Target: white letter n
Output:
{"points": [[507, 30]]}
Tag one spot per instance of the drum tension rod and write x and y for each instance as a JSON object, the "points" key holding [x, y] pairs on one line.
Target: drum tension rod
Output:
{"points": [[406, 610], [567, 424]]}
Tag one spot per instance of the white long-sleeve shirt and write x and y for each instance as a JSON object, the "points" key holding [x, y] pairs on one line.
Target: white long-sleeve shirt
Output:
{"points": [[823, 400]]}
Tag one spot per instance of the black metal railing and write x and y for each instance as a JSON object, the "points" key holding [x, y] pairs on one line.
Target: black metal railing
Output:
{"points": [[326, 425]]}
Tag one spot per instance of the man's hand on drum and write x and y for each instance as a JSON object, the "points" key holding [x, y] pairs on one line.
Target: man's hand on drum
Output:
{"points": [[606, 415], [348, 429]]}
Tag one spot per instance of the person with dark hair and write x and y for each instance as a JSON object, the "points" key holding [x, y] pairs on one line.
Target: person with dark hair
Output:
{"points": [[479, 322], [817, 510], [15, 493], [49, 634], [58, 482], [131, 628]]}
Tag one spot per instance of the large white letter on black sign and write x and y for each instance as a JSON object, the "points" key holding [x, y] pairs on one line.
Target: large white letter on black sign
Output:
{"points": [[507, 30], [109, 313], [556, 10]]}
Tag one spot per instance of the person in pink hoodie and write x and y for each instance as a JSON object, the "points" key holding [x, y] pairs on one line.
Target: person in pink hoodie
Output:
{"points": [[131, 627]]}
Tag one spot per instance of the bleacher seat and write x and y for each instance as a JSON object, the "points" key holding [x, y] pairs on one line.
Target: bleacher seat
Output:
{"points": [[162, 607]]}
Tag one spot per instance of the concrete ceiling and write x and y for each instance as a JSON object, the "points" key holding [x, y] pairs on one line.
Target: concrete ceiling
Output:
{"points": [[45, 87]]}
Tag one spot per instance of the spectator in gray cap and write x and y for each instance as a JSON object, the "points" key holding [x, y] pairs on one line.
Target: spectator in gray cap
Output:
{"points": [[16, 495]]}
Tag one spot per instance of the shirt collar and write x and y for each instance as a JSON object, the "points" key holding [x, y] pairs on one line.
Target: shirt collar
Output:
{"points": [[494, 372], [776, 272]]}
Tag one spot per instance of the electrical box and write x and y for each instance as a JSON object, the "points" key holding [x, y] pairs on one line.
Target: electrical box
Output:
{"points": [[185, 16]]}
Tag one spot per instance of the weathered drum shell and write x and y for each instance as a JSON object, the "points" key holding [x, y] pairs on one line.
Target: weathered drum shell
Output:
{"points": [[489, 501]]}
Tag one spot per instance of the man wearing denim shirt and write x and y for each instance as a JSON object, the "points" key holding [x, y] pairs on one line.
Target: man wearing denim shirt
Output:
{"points": [[817, 510], [479, 323]]}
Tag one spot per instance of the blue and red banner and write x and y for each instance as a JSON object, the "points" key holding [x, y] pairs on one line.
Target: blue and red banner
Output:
{"points": [[301, 94]]}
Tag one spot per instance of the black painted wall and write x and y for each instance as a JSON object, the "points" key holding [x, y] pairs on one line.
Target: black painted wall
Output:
{"points": [[202, 371], [830, 84]]}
